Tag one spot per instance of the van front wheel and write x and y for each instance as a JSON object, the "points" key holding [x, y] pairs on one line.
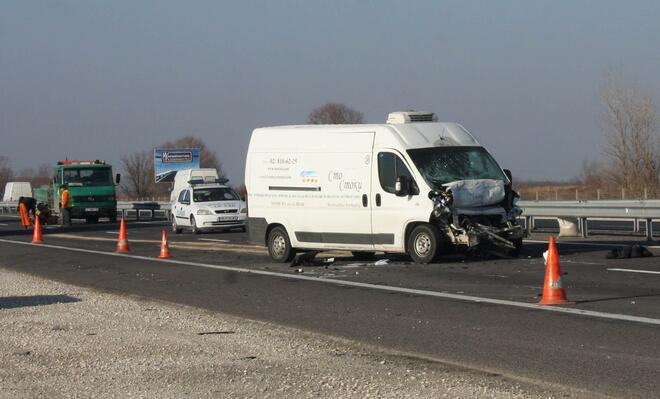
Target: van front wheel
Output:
{"points": [[423, 243], [279, 245]]}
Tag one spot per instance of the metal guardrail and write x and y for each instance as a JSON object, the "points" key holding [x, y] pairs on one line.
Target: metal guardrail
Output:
{"points": [[9, 207], [127, 209], [647, 210]]}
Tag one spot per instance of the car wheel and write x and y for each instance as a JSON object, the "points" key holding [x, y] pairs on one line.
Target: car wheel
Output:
{"points": [[175, 227], [423, 243], [193, 225], [279, 245]]}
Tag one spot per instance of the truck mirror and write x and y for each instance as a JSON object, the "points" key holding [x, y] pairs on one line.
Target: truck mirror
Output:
{"points": [[402, 186], [117, 178], [507, 172]]}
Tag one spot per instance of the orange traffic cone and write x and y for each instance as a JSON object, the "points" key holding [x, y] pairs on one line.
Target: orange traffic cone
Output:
{"points": [[122, 243], [37, 238], [164, 247], [553, 288]]}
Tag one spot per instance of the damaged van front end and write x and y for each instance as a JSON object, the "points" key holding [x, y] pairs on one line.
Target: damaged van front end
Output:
{"points": [[479, 216], [474, 204]]}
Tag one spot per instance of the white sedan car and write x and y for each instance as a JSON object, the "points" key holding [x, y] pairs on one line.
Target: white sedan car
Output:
{"points": [[206, 207]]}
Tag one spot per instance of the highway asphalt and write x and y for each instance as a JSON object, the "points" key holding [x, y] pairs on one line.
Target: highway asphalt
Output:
{"points": [[474, 312]]}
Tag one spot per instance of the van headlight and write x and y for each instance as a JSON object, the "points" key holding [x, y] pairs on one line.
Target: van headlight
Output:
{"points": [[243, 210], [204, 212]]}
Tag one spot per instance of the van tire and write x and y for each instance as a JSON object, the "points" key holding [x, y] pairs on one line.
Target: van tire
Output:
{"points": [[518, 243], [423, 243], [279, 245]]}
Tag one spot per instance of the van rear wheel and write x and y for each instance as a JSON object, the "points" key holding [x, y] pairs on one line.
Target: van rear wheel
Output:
{"points": [[423, 243], [279, 245]]}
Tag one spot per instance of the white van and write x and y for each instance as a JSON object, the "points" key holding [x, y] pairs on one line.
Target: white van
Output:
{"points": [[412, 185], [16, 189]]}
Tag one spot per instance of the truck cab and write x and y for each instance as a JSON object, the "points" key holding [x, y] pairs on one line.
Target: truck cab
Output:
{"points": [[91, 189]]}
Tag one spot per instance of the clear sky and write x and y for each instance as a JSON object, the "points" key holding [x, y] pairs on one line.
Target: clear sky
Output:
{"points": [[98, 79]]}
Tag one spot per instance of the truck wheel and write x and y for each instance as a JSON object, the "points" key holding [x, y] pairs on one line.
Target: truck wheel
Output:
{"points": [[175, 228], [193, 225], [423, 243], [279, 245]]}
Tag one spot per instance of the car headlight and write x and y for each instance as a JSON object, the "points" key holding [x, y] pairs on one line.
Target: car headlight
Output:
{"points": [[204, 212]]}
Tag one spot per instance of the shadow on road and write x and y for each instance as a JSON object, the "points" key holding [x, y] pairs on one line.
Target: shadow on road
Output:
{"points": [[12, 302]]}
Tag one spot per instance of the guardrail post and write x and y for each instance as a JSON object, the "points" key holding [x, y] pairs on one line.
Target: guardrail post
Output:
{"points": [[598, 193], [528, 224], [649, 229], [637, 228], [583, 227]]}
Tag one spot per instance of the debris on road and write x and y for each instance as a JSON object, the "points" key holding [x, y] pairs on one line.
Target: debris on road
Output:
{"points": [[629, 251]]}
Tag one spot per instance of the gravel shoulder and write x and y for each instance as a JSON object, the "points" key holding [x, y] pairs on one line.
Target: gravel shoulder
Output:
{"points": [[59, 340]]}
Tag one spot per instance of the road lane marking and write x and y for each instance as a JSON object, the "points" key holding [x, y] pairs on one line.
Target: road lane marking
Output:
{"points": [[634, 271], [4, 224], [213, 240], [402, 290], [111, 232], [591, 244]]}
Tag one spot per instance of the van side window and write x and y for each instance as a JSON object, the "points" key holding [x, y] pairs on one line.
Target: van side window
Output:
{"points": [[186, 196], [390, 166], [181, 195]]}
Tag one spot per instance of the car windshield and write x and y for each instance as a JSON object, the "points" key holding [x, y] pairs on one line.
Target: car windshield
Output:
{"points": [[440, 165], [214, 194], [87, 177]]}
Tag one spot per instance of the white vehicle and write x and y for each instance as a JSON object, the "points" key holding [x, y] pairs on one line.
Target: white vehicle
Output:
{"points": [[16, 189], [204, 205], [182, 178], [412, 185]]}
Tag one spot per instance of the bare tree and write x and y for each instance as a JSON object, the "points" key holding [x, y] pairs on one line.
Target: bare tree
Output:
{"points": [[333, 114], [6, 173], [593, 175], [139, 170], [37, 177], [207, 157], [630, 123]]}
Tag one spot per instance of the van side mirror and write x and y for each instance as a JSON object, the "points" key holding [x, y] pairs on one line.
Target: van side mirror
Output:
{"points": [[402, 186], [117, 178], [507, 172]]}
